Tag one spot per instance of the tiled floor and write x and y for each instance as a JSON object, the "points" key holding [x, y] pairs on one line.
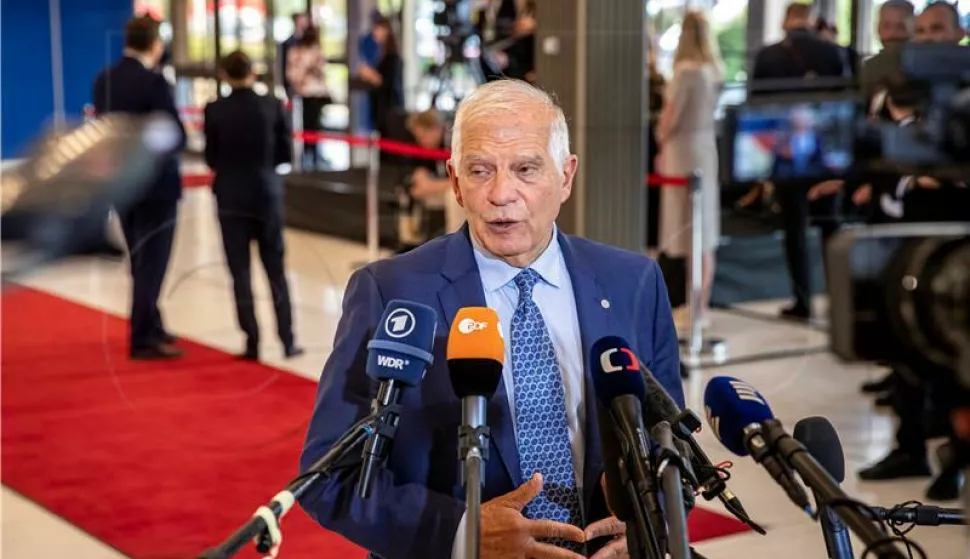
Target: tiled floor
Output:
{"points": [[197, 304]]}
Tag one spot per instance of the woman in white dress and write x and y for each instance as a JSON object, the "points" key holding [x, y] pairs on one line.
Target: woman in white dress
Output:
{"points": [[687, 143]]}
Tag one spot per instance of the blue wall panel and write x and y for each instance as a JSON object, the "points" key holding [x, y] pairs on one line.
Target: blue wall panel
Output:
{"points": [[91, 37]]}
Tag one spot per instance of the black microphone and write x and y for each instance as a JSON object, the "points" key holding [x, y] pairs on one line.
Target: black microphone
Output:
{"points": [[922, 515], [631, 487], [822, 442], [741, 416], [735, 411], [659, 406], [397, 357]]}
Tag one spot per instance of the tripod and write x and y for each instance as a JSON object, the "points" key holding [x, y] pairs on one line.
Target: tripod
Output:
{"points": [[442, 76]]}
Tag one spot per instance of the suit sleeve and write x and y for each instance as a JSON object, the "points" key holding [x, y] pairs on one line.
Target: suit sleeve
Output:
{"points": [[760, 69], [282, 145], [162, 100], [399, 521], [656, 325]]}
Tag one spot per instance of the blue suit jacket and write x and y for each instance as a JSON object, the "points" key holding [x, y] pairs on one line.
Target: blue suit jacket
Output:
{"points": [[417, 500]]}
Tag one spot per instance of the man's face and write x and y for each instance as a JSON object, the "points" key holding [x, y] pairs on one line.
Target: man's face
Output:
{"points": [[936, 25], [895, 26], [429, 137], [509, 184], [300, 24], [157, 51]]}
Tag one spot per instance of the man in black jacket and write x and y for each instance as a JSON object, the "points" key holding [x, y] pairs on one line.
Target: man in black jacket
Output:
{"points": [[246, 137], [133, 86], [790, 66]]}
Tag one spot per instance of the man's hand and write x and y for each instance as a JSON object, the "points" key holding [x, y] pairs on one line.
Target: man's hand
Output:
{"points": [[616, 549], [823, 189], [928, 183], [862, 195], [506, 534]]}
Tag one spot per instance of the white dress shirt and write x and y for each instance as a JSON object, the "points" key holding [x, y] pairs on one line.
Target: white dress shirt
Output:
{"points": [[555, 299]]}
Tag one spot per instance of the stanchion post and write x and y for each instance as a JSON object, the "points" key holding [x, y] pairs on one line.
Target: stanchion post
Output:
{"points": [[695, 278], [373, 216], [296, 113]]}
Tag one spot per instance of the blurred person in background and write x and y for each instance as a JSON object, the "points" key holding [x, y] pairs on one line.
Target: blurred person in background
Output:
{"points": [[304, 70], [687, 140], [655, 100], [386, 79], [301, 21], [425, 181], [897, 19], [790, 66], [133, 86], [369, 51], [829, 32], [246, 137]]}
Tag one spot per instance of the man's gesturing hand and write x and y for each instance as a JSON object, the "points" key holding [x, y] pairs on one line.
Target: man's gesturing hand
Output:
{"points": [[616, 549], [506, 534]]}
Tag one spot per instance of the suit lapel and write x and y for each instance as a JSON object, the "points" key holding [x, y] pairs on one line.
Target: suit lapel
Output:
{"points": [[595, 321], [465, 290]]}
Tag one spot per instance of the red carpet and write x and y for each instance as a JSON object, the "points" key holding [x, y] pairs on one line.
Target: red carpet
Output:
{"points": [[158, 460]]}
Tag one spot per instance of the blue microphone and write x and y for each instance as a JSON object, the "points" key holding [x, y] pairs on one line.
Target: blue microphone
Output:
{"points": [[397, 357], [631, 490], [737, 412]]}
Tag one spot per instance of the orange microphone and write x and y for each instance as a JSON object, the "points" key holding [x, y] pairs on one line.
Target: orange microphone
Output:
{"points": [[476, 354]]}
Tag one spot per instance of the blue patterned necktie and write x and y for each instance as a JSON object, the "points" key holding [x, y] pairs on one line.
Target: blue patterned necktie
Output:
{"points": [[542, 432]]}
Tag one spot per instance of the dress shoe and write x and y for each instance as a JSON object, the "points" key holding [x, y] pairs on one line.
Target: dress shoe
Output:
{"points": [[797, 311], [293, 351], [884, 384], [249, 355], [897, 465], [159, 352], [946, 486], [169, 339]]}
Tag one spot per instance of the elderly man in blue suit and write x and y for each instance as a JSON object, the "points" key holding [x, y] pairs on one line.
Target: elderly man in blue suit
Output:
{"points": [[511, 171]]}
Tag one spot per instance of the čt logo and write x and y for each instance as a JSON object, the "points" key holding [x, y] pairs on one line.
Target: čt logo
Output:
{"points": [[629, 363]]}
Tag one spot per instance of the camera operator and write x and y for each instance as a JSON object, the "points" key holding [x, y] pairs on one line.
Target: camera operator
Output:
{"points": [[424, 181]]}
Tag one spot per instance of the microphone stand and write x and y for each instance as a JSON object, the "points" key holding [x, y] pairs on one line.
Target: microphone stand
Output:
{"points": [[669, 471], [827, 490], [264, 526], [473, 437]]}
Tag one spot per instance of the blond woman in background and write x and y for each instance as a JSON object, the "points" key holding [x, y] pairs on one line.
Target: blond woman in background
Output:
{"points": [[687, 143]]}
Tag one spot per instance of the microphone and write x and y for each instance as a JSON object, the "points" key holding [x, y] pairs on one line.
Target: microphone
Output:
{"points": [[922, 515], [397, 357], [631, 488], [822, 442], [743, 421], [735, 411], [476, 354], [659, 406]]}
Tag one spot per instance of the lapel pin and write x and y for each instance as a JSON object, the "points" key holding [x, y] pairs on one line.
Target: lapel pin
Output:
{"points": [[605, 304]]}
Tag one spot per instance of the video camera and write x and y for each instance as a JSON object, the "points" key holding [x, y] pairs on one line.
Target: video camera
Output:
{"points": [[452, 20], [809, 131]]}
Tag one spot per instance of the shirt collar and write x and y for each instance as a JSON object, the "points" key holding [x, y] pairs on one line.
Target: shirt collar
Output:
{"points": [[496, 273]]}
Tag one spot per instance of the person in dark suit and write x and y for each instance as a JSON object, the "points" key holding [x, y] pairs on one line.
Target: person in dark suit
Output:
{"points": [[788, 66], [386, 79], [246, 137], [511, 171], [132, 86]]}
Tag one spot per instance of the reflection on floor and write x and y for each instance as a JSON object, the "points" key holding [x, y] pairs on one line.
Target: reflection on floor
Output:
{"points": [[197, 304]]}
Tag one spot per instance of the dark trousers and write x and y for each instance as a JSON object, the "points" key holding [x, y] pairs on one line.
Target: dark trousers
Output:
{"points": [[312, 111], [149, 229], [795, 216], [239, 230], [917, 403]]}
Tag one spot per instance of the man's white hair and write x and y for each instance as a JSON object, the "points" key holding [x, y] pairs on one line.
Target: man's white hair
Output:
{"points": [[502, 97]]}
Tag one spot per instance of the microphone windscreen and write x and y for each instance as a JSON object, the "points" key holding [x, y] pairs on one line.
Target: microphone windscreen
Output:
{"points": [[615, 370], [822, 442], [731, 405], [476, 352], [658, 405], [401, 347]]}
